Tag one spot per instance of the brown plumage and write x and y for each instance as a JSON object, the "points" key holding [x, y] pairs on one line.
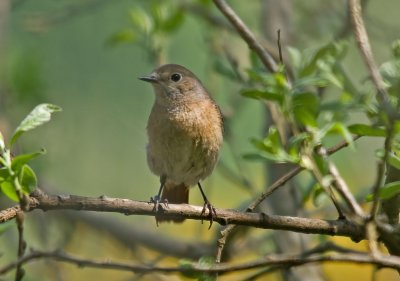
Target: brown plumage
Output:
{"points": [[185, 133]]}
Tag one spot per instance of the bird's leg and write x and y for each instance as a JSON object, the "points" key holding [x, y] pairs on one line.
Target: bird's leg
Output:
{"points": [[156, 199], [207, 205]]}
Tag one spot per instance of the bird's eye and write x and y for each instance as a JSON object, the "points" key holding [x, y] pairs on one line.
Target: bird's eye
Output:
{"points": [[176, 77]]}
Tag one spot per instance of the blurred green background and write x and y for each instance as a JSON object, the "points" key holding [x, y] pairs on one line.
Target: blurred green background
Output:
{"points": [[57, 52]]}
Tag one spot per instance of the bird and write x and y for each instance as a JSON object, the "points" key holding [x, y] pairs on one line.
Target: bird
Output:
{"points": [[185, 136]]}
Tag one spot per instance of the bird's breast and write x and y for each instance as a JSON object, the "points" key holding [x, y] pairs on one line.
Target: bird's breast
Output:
{"points": [[184, 141]]}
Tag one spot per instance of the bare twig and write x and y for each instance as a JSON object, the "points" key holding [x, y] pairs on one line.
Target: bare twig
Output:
{"points": [[19, 274], [270, 260], [341, 185], [9, 213], [381, 172], [361, 36], [247, 35], [279, 46], [371, 227]]}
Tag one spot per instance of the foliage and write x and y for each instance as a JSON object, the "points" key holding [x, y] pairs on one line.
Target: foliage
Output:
{"points": [[315, 96], [150, 30], [17, 178], [317, 104]]}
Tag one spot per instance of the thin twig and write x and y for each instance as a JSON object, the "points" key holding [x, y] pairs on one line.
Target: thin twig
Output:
{"points": [[279, 46], [381, 172], [361, 36], [247, 35], [371, 227], [327, 186], [19, 274], [270, 260], [341, 185]]}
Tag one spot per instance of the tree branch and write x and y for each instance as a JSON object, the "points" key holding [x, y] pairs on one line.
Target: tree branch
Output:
{"points": [[19, 274], [361, 36], [45, 202], [247, 35], [270, 260], [341, 185]]}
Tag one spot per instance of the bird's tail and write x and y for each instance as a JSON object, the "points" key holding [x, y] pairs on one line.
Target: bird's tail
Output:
{"points": [[173, 194]]}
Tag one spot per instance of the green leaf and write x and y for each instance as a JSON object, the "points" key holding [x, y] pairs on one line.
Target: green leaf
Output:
{"points": [[173, 22], [336, 128], [329, 75], [271, 148], [38, 116], [396, 49], [206, 262], [142, 20], [394, 160], [295, 57], [295, 144], [305, 108], [28, 180], [187, 269], [4, 174], [8, 189], [121, 36], [319, 195], [310, 81], [22, 159], [260, 94], [367, 130], [279, 156], [333, 52], [387, 191]]}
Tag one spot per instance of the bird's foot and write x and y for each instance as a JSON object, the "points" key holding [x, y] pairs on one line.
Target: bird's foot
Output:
{"points": [[211, 212], [156, 200]]}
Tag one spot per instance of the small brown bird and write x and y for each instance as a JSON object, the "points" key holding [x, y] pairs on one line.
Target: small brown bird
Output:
{"points": [[185, 130]]}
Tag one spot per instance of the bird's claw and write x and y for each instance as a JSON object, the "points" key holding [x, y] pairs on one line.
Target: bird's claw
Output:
{"points": [[211, 212], [157, 202]]}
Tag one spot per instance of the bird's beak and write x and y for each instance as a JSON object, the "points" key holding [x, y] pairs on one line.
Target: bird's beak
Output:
{"points": [[152, 78]]}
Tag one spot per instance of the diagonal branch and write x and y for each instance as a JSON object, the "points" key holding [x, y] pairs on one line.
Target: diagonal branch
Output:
{"points": [[361, 36], [247, 35], [341, 186]]}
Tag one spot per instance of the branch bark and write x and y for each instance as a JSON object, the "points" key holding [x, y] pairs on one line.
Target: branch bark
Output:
{"points": [[45, 202], [361, 36], [271, 260], [247, 35]]}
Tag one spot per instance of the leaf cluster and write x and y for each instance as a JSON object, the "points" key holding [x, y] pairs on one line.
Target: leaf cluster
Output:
{"points": [[17, 178]]}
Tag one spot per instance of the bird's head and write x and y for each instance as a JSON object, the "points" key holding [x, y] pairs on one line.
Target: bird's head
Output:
{"points": [[174, 84]]}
